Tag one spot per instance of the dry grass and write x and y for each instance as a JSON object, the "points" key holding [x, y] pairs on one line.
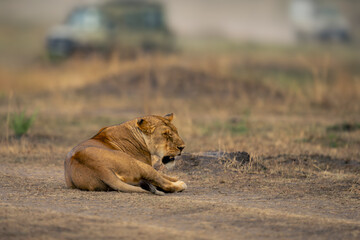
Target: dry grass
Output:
{"points": [[265, 104]]}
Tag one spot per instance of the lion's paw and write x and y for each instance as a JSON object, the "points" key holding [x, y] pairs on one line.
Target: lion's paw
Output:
{"points": [[181, 185]]}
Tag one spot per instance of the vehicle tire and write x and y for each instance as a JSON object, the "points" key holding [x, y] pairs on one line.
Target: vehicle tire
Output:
{"points": [[60, 48]]}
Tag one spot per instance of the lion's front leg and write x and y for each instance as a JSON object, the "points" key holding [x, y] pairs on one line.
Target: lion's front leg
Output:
{"points": [[180, 185], [161, 181], [159, 166], [170, 178], [167, 183], [171, 187]]}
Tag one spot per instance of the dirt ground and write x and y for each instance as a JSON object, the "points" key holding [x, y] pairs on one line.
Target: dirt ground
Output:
{"points": [[220, 203]]}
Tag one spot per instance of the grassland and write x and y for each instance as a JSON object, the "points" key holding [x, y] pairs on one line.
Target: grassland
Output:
{"points": [[295, 111]]}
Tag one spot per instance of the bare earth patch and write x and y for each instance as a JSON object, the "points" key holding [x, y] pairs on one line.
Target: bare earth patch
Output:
{"points": [[220, 203]]}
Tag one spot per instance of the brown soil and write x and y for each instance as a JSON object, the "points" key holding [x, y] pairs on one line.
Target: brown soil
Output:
{"points": [[222, 202]]}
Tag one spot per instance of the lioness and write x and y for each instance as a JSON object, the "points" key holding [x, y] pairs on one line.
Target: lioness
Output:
{"points": [[121, 157]]}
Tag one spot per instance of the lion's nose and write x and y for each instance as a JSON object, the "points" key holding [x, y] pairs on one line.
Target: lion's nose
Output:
{"points": [[181, 148]]}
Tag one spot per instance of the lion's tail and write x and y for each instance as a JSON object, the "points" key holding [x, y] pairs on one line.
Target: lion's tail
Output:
{"points": [[144, 184]]}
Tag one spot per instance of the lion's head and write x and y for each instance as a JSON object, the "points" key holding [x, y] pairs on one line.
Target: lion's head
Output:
{"points": [[161, 137]]}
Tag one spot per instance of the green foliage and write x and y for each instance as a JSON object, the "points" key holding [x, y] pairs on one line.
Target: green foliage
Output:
{"points": [[344, 127], [234, 126], [20, 122], [237, 127], [334, 141]]}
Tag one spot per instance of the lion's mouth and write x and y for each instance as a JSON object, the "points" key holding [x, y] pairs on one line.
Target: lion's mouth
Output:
{"points": [[167, 159]]}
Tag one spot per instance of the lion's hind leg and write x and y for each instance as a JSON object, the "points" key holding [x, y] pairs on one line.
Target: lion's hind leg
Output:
{"points": [[82, 177]]}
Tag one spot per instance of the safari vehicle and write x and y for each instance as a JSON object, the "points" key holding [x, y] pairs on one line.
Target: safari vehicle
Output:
{"points": [[316, 20], [128, 26]]}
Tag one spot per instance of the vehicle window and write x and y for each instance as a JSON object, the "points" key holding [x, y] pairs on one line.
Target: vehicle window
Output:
{"points": [[85, 18], [153, 19], [148, 19]]}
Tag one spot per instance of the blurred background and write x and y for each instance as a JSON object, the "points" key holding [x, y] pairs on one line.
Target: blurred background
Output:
{"points": [[34, 28], [235, 73]]}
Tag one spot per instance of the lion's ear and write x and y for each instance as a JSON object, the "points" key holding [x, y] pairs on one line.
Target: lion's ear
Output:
{"points": [[169, 116], [145, 126]]}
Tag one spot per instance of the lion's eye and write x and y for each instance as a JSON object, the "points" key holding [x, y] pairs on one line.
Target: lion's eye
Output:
{"points": [[167, 134]]}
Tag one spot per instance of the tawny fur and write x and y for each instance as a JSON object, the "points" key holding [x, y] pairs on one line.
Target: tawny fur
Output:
{"points": [[121, 157]]}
